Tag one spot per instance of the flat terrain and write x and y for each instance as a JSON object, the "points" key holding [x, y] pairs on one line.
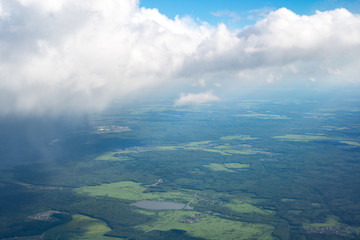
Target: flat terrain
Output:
{"points": [[244, 169], [208, 226], [81, 227]]}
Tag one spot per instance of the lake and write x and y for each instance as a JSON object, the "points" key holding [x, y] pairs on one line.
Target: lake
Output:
{"points": [[155, 205]]}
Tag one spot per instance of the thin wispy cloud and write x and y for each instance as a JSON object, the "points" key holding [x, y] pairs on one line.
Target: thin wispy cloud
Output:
{"points": [[73, 56], [260, 13], [226, 13]]}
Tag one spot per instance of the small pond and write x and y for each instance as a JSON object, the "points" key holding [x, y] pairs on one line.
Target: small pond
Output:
{"points": [[155, 205]]}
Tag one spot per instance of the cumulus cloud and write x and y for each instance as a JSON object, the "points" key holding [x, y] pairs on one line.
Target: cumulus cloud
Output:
{"points": [[72, 56], [281, 42], [196, 98], [78, 55]]}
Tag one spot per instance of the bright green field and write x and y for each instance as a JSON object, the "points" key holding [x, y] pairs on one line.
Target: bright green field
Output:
{"points": [[80, 228], [263, 116], [243, 152], [236, 165], [217, 167], [352, 143], [194, 144], [302, 138], [110, 156], [132, 191], [227, 167], [331, 221], [209, 227], [237, 137], [308, 138], [331, 128], [206, 146], [318, 115], [244, 207]]}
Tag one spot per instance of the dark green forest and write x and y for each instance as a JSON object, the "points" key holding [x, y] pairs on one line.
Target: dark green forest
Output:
{"points": [[292, 165]]}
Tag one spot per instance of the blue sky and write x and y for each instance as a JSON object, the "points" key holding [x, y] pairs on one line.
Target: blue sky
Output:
{"points": [[237, 14]]}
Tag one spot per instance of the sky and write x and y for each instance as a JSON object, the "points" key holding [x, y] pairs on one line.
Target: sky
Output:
{"points": [[238, 14], [69, 57]]}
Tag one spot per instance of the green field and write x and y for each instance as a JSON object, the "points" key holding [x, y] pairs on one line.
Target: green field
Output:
{"points": [[195, 144], [81, 228], [331, 221], [318, 115], [263, 116], [302, 138], [332, 128], [112, 156], [206, 146], [236, 165], [237, 137], [352, 143], [244, 207], [208, 226], [218, 167], [132, 191], [309, 138], [227, 167]]}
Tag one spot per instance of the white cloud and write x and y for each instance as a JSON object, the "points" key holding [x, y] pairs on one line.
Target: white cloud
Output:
{"points": [[200, 83], [306, 43], [79, 55], [196, 98], [64, 55]]}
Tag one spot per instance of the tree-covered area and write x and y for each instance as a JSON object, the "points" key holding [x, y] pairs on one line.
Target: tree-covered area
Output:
{"points": [[290, 167]]}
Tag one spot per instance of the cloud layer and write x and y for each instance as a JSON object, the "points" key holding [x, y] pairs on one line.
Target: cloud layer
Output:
{"points": [[73, 56], [196, 98]]}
